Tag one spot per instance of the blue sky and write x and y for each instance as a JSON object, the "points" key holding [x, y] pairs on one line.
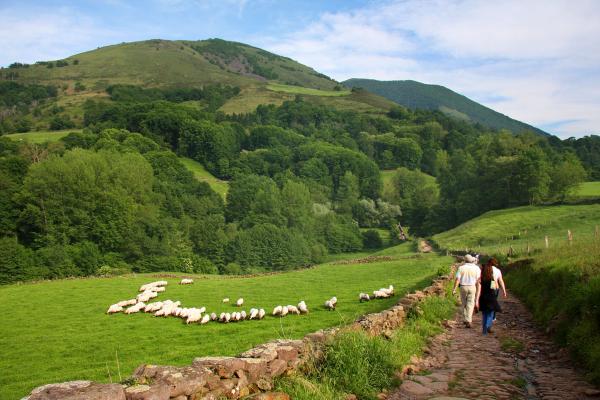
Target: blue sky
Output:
{"points": [[535, 60]]}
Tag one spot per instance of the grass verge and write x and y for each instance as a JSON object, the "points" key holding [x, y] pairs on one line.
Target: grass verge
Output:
{"points": [[355, 363], [561, 287]]}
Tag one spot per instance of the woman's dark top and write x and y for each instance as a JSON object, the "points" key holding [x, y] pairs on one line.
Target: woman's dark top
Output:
{"points": [[488, 300]]}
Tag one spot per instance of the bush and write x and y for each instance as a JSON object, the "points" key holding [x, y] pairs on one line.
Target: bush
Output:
{"points": [[232, 269], [371, 239], [60, 122]]}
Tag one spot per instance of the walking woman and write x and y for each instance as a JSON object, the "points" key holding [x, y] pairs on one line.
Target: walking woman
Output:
{"points": [[486, 300]]}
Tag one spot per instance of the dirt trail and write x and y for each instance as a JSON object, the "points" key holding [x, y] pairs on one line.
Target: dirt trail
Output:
{"points": [[516, 361]]}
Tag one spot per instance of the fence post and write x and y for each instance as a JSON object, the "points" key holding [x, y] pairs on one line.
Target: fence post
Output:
{"points": [[570, 236], [547, 242]]}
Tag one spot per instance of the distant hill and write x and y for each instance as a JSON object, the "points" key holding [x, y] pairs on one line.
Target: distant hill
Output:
{"points": [[263, 77], [417, 95]]}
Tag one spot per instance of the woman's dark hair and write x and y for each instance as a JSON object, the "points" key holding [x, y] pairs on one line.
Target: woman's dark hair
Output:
{"points": [[487, 273], [492, 261]]}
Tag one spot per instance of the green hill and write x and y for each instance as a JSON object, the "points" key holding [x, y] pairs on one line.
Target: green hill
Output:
{"points": [[417, 95], [263, 77]]}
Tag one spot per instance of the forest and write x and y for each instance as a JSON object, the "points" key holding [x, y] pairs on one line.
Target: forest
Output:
{"points": [[305, 182]]}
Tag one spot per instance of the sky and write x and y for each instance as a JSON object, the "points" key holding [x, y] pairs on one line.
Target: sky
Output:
{"points": [[537, 61]]}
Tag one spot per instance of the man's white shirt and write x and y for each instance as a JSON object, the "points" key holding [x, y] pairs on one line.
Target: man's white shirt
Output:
{"points": [[468, 274]]}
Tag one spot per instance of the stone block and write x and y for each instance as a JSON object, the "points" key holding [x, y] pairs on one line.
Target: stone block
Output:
{"points": [[78, 390]]}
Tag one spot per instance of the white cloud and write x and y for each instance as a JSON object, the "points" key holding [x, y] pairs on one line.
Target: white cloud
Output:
{"points": [[539, 60], [47, 35]]}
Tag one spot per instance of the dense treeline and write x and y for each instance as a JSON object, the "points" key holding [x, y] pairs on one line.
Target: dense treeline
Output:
{"points": [[304, 179], [16, 100]]}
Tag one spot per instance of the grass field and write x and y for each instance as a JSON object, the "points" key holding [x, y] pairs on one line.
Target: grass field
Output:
{"points": [[588, 189], [278, 87], [41, 136], [202, 174], [57, 330], [495, 231]]}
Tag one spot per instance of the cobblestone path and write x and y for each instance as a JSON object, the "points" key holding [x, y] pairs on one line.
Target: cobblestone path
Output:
{"points": [[516, 361]]}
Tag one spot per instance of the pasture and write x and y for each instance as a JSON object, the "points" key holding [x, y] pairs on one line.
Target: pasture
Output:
{"points": [[279, 87], [588, 190], [58, 330], [201, 174], [495, 231], [41, 136]]}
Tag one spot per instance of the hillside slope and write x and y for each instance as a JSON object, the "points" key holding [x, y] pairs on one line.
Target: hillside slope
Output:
{"points": [[417, 95], [174, 64]]}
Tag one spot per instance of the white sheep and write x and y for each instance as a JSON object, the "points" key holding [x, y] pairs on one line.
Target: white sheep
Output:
{"points": [[213, 316], [293, 309], [161, 283], [239, 302], [253, 313], [226, 300], [202, 310], [153, 307], [186, 281], [284, 311], [333, 300], [227, 317], [115, 308], [302, 307], [261, 313], [364, 297], [329, 305], [194, 315], [222, 317], [157, 289], [125, 303], [277, 310], [243, 314], [205, 319], [135, 308]]}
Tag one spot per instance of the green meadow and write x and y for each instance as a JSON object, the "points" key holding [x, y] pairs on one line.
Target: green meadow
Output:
{"points": [[495, 231], [41, 136], [279, 87], [588, 190], [58, 330], [201, 174]]}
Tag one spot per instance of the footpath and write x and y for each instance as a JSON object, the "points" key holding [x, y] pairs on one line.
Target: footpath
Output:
{"points": [[516, 361]]}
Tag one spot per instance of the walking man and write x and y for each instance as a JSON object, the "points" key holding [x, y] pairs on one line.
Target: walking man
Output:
{"points": [[467, 278]]}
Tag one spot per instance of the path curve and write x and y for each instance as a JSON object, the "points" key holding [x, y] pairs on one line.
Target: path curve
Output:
{"points": [[463, 363]]}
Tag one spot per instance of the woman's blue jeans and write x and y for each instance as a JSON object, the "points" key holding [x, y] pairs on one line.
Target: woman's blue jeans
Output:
{"points": [[487, 319]]}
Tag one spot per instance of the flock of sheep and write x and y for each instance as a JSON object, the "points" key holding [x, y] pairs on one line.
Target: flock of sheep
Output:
{"points": [[199, 315]]}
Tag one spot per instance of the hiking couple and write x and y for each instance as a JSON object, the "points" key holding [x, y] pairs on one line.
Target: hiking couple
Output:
{"points": [[479, 289]]}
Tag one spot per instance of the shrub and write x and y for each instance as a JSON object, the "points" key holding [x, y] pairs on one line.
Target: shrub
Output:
{"points": [[371, 239], [232, 269]]}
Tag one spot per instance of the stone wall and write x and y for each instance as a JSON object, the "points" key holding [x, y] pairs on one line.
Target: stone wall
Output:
{"points": [[232, 377]]}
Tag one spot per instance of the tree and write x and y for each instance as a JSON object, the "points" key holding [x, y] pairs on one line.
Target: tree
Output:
{"points": [[347, 193], [565, 176]]}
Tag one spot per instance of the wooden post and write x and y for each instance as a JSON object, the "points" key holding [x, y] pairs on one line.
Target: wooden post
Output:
{"points": [[546, 240], [570, 236]]}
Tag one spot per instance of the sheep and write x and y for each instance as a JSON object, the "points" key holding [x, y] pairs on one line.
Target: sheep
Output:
{"points": [[243, 314], [302, 307], [239, 302], [333, 300], [157, 289], [194, 315], [213, 316], [115, 308], [329, 305], [261, 313], [226, 300], [222, 317], [125, 303], [205, 319], [277, 310], [253, 313], [167, 309], [161, 283], [227, 317], [153, 307], [293, 309], [186, 281], [284, 311], [363, 297], [135, 308], [202, 310]]}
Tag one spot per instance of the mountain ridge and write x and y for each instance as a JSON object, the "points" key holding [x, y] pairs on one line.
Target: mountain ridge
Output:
{"points": [[417, 95]]}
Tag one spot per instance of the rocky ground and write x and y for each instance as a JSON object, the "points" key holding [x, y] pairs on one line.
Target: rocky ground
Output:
{"points": [[516, 361]]}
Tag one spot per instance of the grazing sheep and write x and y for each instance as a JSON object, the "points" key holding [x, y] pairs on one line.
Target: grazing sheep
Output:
{"points": [[194, 315], [329, 305], [226, 300], [161, 283], [205, 319], [261, 313], [293, 309], [227, 317], [135, 308], [363, 297], [153, 307], [284, 311], [243, 314], [253, 313], [186, 281], [222, 317], [202, 310], [115, 308], [239, 302], [277, 310], [157, 289], [213, 316], [333, 300], [125, 303], [302, 307]]}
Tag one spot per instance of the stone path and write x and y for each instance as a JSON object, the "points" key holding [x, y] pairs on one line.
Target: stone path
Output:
{"points": [[516, 361]]}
